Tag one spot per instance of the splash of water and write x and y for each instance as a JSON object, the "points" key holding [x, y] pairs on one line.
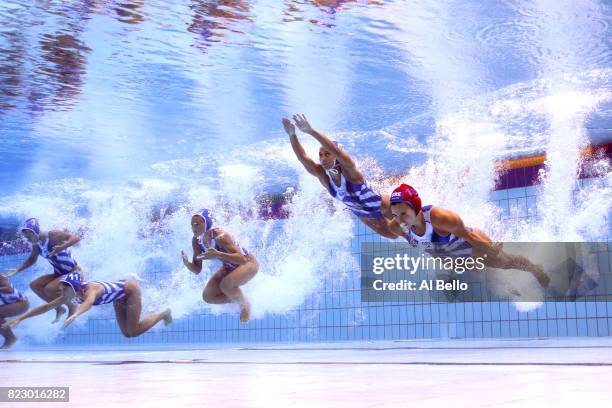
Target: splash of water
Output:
{"points": [[138, 230]]}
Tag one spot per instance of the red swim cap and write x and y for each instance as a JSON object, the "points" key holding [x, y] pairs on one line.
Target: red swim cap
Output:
{"points": [[408, 195]]}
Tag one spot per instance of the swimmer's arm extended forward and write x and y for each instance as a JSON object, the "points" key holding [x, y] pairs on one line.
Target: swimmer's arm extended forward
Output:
{"points": [[310, 165], [449, 221], [67, 240], [36, 311], [91, 295], [31, 260], [349, 168]]}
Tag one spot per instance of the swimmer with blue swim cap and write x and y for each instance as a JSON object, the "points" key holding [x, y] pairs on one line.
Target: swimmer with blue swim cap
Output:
{"points": [[125, 295], [338, 173], [55, 246], [444, 234], [238, 266]]}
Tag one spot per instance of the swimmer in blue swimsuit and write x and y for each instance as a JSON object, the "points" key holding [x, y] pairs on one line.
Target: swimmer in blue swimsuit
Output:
{"points": [[340, 176], [12, 303], [445, 235], [55, 247], [238, 266], [124, 295]]}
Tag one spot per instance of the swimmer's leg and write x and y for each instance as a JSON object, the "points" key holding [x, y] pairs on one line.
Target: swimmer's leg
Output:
{"points": [[120, 306], [212, 292], [39, 286], [13, 309], [230, 286], [134, 326], [504, 260], [9, 336]]}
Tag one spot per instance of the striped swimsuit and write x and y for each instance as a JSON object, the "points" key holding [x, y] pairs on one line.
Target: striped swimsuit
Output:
{"points": [[11, 297], [227, 266], [438, 245], [359, 198], [63, 263], [112, 291]]}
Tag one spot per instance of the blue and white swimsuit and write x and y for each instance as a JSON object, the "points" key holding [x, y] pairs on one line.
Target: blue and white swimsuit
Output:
{"points": [[63, 263], [112, 291], [439, 245], [228, 266], [11, 297], [359, 198]]}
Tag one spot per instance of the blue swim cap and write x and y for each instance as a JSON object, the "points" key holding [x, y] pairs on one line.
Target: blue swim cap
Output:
{"points": [[74, 280], [32, 225], [205, 213]]}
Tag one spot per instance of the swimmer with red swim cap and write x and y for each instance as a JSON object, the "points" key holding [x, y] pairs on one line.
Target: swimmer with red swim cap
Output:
{"points": [[339, 174], [446, 235]]}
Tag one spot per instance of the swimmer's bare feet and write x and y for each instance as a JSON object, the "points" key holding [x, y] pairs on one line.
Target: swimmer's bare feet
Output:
{"points": [[167, 316], [59, 311], [245, 312], [8, 342], [541, 276]]}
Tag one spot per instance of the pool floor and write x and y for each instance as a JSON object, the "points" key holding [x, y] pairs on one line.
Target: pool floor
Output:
{"points": [[491, 373]]}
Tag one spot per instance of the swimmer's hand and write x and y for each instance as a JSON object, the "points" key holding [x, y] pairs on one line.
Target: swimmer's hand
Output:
{"points": [[302, 123], [11, 323], [11, 272], [289, 127], [185, 260], [56, 250], [210, 254], [69, 320]]}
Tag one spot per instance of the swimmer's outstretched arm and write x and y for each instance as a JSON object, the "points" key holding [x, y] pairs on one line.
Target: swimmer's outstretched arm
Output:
{"points": [[31, 260], [449, 221], [90, 297], [310, 165], [67, 240], [36, 311], [349, 168]]}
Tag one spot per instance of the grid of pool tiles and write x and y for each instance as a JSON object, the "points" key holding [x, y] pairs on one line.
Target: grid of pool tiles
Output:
{"points": [[337, 314]]}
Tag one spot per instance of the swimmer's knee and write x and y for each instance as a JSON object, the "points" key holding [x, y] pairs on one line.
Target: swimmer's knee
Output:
{"points": [[227, 285], [210, 294], [124, 332], [131, 286], [129, 334], [36, 286]]}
